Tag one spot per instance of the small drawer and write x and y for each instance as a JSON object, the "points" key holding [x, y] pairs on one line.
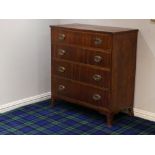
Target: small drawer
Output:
{"points": [[64, 36], [80, 92], [98, 41], [69, 53], [98, 58], [62, 69], [90, 75], [92, 57]]}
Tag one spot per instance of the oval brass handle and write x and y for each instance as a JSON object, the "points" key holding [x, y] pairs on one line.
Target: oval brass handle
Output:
{"points": [[98, 41], [96, 97], [61, 52], [61, 87], [97, 77], [61, 37], [61, 69], [97, 58]]}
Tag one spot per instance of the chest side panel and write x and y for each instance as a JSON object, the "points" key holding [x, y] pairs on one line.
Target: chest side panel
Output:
{"points": [[123, 69]]}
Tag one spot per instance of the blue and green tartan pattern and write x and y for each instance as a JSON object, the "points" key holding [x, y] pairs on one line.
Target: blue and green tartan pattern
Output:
{"points": [[68, 119]]}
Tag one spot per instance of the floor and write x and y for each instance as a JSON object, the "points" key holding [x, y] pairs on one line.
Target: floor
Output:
{"points": [[68, 119]]}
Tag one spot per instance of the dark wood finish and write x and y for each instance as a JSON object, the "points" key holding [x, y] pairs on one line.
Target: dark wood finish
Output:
{"points": [[70, 37], [67, 68], [82, 73], [79, 91], [123, 70], [94, 66], [82, 55], [53, 100], [130, 111], [94, 28], [88, 39]]}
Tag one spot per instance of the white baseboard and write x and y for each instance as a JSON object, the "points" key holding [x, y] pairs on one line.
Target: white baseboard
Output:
{"points": [[144, 114], [38, 98], [30, 100]]}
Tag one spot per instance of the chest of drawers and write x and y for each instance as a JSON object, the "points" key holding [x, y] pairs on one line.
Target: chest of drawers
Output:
{"points": [[94, 66]]}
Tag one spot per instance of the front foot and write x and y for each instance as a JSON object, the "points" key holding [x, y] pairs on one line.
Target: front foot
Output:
{"points": [[130, 112], [53, 101], [110, 119]]}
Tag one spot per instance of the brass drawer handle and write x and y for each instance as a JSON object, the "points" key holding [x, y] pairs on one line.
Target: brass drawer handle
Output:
{"points": [[61, 69], [96, 97], [61, 87], [61, 52], [97, 77], [97, 58], [98, 41], [61, 37]]}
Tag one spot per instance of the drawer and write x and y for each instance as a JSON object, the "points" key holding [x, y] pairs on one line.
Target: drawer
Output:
{"points": [[80, 92], [98, 58], [90, 75], [69, 53], [86, 39], [67, 37], [62, 69], [83, 73], [98, 40], [92, 57]]}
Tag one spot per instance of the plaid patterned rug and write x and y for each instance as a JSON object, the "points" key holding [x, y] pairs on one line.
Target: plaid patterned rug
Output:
{"points": [[68, 119]]}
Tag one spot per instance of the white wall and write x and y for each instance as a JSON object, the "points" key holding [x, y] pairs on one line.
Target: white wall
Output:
{"points": [[24, 58], [145, 75]]}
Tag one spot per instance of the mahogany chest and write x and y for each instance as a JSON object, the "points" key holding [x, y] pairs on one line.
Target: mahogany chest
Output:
{"points": [[94, 66]]}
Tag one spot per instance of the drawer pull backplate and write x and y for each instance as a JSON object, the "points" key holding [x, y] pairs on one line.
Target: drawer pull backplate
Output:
{"points": [[97, 77], [98, 41], [97, 58], [61, 52], [96, 97], [61, 87], [61, 69], [61, 37]]}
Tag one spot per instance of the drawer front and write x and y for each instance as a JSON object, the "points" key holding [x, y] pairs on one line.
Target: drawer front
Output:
{"points": [[62, 69], [69, 53], [98, 58], [92, 76], [92, 57], [87, 39], [67, 37], [83, 73], [97, 40], [67, 88]]}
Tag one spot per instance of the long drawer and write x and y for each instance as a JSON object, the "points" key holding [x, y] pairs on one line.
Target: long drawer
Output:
{"points": [[75, 54], [83, 73], [81, 92], [87, 39]]}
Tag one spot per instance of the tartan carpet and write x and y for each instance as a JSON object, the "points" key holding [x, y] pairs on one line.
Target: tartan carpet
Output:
{"points": [[68, 119]]}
